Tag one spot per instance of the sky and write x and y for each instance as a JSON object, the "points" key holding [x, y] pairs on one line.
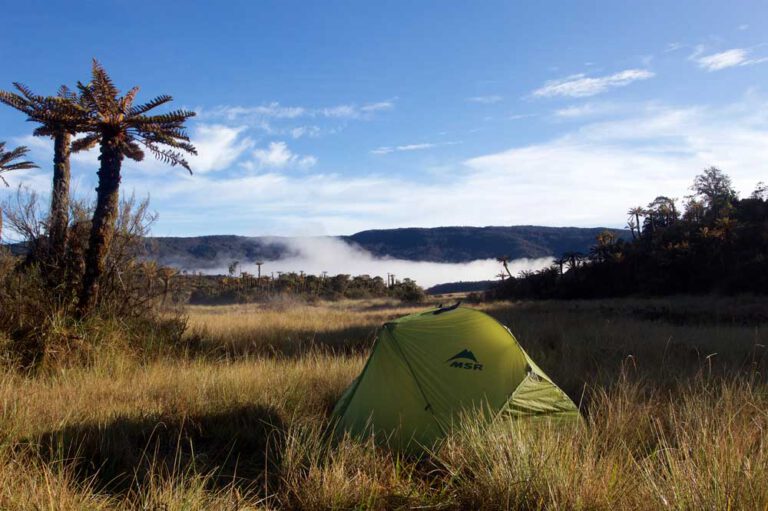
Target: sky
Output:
{"points": [[327, 118]]}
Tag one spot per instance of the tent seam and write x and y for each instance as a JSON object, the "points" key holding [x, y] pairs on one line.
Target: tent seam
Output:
{"points": [[418, 383]]}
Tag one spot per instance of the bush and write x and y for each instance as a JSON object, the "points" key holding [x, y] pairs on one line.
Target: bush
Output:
{"points": [[38, 291]]}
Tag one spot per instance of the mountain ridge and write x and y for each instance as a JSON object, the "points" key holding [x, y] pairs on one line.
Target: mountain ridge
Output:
{"points": [[451, 244]]}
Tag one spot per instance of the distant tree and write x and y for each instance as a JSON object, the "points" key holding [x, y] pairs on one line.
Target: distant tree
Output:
{"points": [[694, 210], [715, 188], [59, 117], [119, 128], [232, 268], [661, 212], [560, 263], [573, 259], [9, 161], [504, 260], [166, 274], [761, 191], [604, 247]]}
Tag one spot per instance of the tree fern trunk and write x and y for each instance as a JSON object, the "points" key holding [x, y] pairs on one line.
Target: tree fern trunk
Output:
{"points": [[60, 195], [103, 225]]}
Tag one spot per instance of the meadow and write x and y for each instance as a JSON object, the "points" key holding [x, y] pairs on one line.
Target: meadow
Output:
{"points": [[673, 393]]}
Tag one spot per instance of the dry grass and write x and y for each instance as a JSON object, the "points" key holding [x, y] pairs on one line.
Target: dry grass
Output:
{"points": [[291, 328], [676, 417]]}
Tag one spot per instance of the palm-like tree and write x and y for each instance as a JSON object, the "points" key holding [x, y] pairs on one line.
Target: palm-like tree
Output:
{"points": [[59, 117], [504, 260], [573, 259], [634, 217], [121, 129], [9, 161], [560, 262]]}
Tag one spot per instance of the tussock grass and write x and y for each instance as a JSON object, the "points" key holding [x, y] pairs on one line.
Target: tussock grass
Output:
{"points": [[675, 416]]}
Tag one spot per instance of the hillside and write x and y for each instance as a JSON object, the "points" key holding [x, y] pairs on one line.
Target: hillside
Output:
{"points": [[439, 244]]}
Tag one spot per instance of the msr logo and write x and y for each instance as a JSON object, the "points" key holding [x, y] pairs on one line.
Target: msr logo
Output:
{"points": [[465, 360]]}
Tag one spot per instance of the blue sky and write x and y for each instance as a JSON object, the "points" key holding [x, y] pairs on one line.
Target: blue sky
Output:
{"points": [[333, 117]]}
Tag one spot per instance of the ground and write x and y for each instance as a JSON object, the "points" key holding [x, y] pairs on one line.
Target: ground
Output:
{"points": [[673, 395]]}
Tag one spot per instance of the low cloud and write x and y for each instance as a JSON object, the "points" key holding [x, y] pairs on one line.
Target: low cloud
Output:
{"points": [[581, 85], [315, 255]]}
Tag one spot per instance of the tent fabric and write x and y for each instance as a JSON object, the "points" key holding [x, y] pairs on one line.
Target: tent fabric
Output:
{"points": [[428, 368]]}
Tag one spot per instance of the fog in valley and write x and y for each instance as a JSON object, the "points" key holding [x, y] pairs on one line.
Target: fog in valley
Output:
{"points": [[314, 255]]}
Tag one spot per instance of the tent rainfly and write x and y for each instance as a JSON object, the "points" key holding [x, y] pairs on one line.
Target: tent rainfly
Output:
{"points": [[428, 368]]}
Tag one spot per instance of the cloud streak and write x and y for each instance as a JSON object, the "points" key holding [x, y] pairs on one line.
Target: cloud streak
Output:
{"points": [[581, 85], [410, 147], [485, 100], [735, 57], [275, 110]]}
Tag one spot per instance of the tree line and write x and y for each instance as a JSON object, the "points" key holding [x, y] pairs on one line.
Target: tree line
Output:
{"points": [[219, 289], [714, 242]]}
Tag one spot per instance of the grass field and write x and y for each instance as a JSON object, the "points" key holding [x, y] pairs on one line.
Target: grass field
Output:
{"points": [[673, 392]]}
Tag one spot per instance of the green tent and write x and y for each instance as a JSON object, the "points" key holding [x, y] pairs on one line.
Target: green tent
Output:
{"points": [[425, 369]]}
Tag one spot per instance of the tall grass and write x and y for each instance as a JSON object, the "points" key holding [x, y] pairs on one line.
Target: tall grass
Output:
{"points": [[675, 416]]}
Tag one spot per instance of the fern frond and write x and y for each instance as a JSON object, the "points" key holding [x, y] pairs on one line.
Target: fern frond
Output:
{"points": [[172, 158], [87, 142], [27, 92], [149, 105]]}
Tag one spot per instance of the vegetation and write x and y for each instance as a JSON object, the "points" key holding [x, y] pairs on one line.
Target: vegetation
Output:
{"points": [[674, 417], [247, 288], [717, 244], [461, 287]]}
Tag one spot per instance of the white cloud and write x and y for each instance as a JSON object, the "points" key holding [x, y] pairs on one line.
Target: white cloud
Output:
{"points": [[305, 131], [275, 110], [574, 111], [409, 147], [276, 156], [485, 100], [673, 47], [217, 146], [585, 110], [725, 59], [581, 85], [587, 177], [270, 110], [377, 107]]}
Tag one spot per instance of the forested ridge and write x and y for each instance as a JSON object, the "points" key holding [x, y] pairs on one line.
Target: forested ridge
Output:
{"points": [[714, 242]]}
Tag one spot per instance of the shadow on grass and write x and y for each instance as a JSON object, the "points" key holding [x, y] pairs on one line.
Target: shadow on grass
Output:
{"points": [[233, 447]]}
